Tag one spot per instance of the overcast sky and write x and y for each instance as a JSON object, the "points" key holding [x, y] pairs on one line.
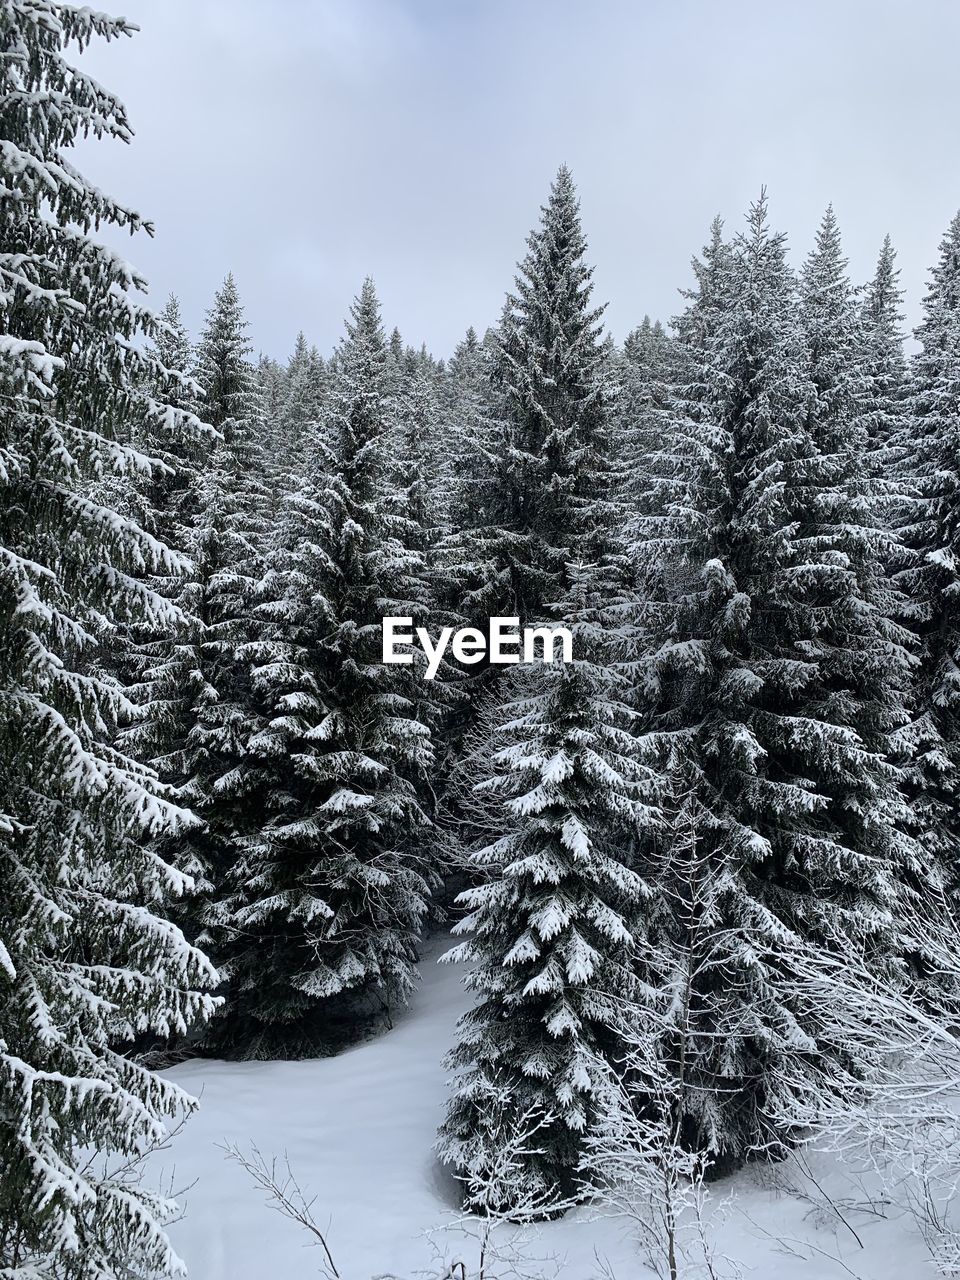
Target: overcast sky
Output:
{"points": [[303, 144]]}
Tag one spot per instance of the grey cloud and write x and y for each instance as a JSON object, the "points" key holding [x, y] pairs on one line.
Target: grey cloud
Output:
{"points": [[304, 145]]}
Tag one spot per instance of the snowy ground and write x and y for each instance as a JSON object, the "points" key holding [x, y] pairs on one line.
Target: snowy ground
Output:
{"points": [[358, 1131]]}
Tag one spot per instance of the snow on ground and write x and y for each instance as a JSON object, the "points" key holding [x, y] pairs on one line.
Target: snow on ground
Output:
{"points": [[358, 1131]]}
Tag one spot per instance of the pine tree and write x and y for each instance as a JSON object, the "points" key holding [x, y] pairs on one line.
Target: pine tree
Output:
{"points": [[229, 545], [886, 418], [707, 301], [169, 496], [538, 396], [167, 499], [850, 513], [772, 681], [551, 379], [830, 319], [928, 445], [195, 688], [695, 329], [421, 502], [223, 365], [86, 963], [396, 346], [163, 665], [173, 348], [549, 922], [416, 409], [321, 917], [471, 439], [301, 405], [644, 398], [559, 777], [885, 363]]}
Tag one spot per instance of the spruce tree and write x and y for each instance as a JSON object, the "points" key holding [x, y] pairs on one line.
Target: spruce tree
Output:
{"points": [[644, 396], [549, 922], [707, 300], [86, 963], [551, 378], [468, 434], [929, 450], [300, 404], [887, 415], [884, 360], [163, 665], [539, 396], [557, 774], [418, 462], [322, 909], [471, 434], [771, 680], [169, 495], [195, 688], [223, 360], [418, 482], [830, 319], [173, 348], [229, 544]]}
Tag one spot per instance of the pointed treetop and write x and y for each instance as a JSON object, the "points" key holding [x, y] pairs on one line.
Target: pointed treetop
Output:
{"points": [[766, 250], [706, 300], [228, 295], [223, 367], [883, 296], [172, 341], [757, 218], [563, 185], [828, 302], [825, 259], [554, 283], [711, 253], [301, 352], [171, 313], [560, 233], [714, 250], [364, 324], [944, 289], [226, 310]]}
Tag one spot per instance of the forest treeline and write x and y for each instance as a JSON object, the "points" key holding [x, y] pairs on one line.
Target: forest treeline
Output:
{"points": [[682, 866]]}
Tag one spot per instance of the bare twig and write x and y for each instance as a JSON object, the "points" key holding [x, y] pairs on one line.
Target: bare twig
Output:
{"points": [[284, 1194]]}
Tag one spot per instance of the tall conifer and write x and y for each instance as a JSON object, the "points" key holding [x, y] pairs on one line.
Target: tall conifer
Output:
{"points": [[772, 679], [86, 962], [321, 912]]}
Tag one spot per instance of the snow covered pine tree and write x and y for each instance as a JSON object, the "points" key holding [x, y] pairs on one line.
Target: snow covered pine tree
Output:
{"points": [[929, 448], [85, 963], [165, 664], [884, 362], [550, 383], [321, 912], [550, 916], [641, 407], [228, 547], [539, 402], [549, 921], [772, 679]]}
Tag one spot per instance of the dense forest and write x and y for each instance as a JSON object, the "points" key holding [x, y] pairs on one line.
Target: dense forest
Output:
{"points": [[704, 876]]}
